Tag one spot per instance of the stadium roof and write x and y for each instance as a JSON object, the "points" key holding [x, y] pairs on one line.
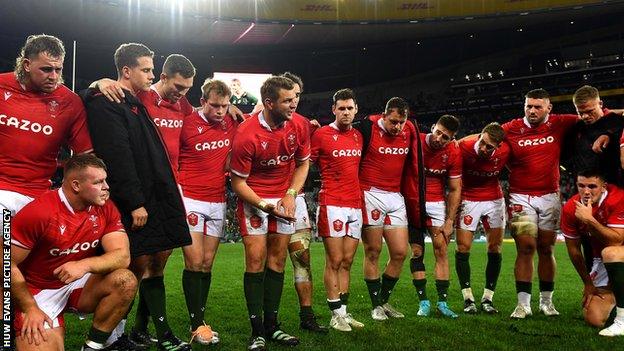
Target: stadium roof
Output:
{"points": [[267, 22]]}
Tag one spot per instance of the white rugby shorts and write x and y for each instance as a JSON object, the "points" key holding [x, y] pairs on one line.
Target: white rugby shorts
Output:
{"points": [[301, 214], [384, 208], [436, 213], [54, 302], [490, 213], [544, 210], [254, 221], [337, 222], [205, 217], [598, 273], [13, 201]]}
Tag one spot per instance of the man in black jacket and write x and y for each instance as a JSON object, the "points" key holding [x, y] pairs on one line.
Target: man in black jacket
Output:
{"points": [[142, 182]]}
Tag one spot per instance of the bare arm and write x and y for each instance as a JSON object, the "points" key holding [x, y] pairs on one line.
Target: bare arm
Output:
{"points": [[116, 255], [607, 235], [34, 318], [576, 256], [452, 205], [112, 89], [246, 194], [298, 179]]}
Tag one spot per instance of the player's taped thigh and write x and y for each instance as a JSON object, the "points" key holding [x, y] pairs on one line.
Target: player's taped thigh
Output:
{"points": [[417, 237], [301, 256], [522, 224]]}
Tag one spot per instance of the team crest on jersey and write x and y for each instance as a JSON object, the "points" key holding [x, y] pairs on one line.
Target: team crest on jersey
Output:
{"points": [[264, 144], [444, 158], [335, 137], [93, 219], [375, 214], [192, 219], [255, 221], [468, 220], [53, 108], [291, 139], [338, 225], [7, 95]]}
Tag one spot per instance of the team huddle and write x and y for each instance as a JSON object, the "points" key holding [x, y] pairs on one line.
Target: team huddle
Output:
{"points": [[149, 174]]}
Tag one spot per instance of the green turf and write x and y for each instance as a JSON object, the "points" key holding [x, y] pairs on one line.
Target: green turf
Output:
{"points": [[226, 310]]}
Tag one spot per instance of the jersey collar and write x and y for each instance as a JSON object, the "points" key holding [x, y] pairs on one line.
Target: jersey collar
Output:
{"points": [[64, 200], [333, 125], [264, 123], [603, 197], [381, 125], [526, 121]]}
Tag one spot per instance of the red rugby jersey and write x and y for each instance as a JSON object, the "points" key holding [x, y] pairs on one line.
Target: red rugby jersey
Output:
{"points": [[266, 156], [33, 127], [480, 174], [440, 165], [169, 119], [204, 149], [56, 234], [338, 156], [382, 165], [535, 153], [609, 212]]}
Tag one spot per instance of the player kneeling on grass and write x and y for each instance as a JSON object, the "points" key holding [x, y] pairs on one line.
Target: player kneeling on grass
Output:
{"points": [[483, 158], [57, 265], [337, 149], [597, 211]]}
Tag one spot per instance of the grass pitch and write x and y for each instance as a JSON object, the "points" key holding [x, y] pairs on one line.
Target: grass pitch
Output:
{"points": [[227, 313]]}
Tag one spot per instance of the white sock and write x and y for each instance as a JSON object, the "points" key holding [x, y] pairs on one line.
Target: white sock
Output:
{"points": [[488, 295], [94, 345], [524, 299], [545, 296], [335, 312], [117, 332], [342, 310], [619, 315], [467, 294]]}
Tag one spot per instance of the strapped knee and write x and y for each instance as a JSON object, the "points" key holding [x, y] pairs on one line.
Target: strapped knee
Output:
{"points": [[523, 225], [301, 258]]}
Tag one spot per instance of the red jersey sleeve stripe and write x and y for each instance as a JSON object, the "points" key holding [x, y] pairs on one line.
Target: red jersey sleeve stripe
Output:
{"points": [[303, 159], [17, 243], [240, 174], [569, 236]]}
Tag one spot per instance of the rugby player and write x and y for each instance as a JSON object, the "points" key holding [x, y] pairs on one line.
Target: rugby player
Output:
{"points": [[337, 149], [167, 106], [385, 148], [483, 158], [269, 165], [142, 179], [596, 121], [57, 265], [38, 115], [596, 212], [205, 146], [534, 205], [299, 245], [442, 164]]}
